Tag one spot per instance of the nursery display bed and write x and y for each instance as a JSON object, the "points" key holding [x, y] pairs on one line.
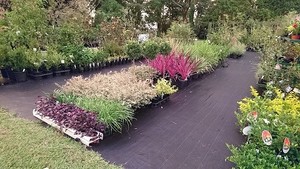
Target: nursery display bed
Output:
{"points": [[86, 140]]}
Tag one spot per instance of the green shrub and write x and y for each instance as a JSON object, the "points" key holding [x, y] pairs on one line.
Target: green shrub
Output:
{"points": [[133, 50], [101, 56], [165, 48], [237, 49], [113, 49], [181, 32], [151, 49], [280, 116], [112, 113], [17, 59], [208, 54]]}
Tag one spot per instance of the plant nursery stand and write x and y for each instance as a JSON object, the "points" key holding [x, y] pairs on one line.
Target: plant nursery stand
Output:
{"points": [[86, 140]]}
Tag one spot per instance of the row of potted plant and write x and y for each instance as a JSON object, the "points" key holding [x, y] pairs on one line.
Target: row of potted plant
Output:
{"points": [[148, 49], [38, 64], [271, 125]]}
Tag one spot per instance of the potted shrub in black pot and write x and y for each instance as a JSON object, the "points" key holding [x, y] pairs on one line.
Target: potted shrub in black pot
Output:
{"points": [[59, 62], [164, 89], [184, 68], [133, 50], [18, 63]]}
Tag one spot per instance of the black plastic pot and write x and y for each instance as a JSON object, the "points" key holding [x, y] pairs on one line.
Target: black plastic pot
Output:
{"points": [[40, 75], [61, 72], [159, 100], [195, 76], [181, 84], [18, 76], [5, 73]]}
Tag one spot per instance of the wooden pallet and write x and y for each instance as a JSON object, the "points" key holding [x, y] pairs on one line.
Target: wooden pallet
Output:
{"points": [[86, 140]]}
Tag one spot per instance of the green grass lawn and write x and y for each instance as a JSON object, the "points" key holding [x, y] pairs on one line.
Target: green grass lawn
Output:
{"points": [[27, 144]]}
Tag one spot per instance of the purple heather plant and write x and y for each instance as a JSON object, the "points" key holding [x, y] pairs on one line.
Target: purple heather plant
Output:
{"points": [[71, 116]]}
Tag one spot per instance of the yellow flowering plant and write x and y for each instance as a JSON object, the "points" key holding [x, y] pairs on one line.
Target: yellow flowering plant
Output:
{"points": [[164, 87], [277, 113]]}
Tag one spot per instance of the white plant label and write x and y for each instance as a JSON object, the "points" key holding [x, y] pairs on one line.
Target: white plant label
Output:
{"points": [[288, 89], [296, 90], [247, 130]]}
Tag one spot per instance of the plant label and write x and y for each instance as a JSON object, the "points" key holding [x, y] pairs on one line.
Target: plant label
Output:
{"points": [[278, 67], [266, 137], [252, 116], [288, 89], [143, 37], [286, 145], [247, 130], [296, 90]]}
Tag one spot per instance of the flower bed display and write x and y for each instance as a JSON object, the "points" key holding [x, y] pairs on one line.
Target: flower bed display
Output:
{"points": [[271, 124], [108, 99]]}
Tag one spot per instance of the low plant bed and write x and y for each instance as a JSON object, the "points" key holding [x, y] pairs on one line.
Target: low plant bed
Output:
{"points": [[70, 119], [86, 140]]}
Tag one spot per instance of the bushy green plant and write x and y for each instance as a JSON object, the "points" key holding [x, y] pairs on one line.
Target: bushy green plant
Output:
{"points": [[181, 32], [113, 49], [17, 59], [165, 48], [133, 50], [280, 116], [208, 54], [164, 87], [151, 49], [113, 114], [101, 56], [55, 59], [237, 49]]}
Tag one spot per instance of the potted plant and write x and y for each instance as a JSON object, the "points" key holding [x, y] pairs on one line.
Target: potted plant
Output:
{"points": [[133, 50], [18, 62], [59, 62], [294, 30], [164, 89], [185, 67]]}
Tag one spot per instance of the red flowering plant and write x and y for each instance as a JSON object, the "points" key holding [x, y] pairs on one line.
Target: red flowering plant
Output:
{"points": [[294, 28], [185, 66], [159, 64], [174, 65]]}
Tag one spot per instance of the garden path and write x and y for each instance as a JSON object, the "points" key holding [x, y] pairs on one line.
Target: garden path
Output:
{"points": [[192, 129]]}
